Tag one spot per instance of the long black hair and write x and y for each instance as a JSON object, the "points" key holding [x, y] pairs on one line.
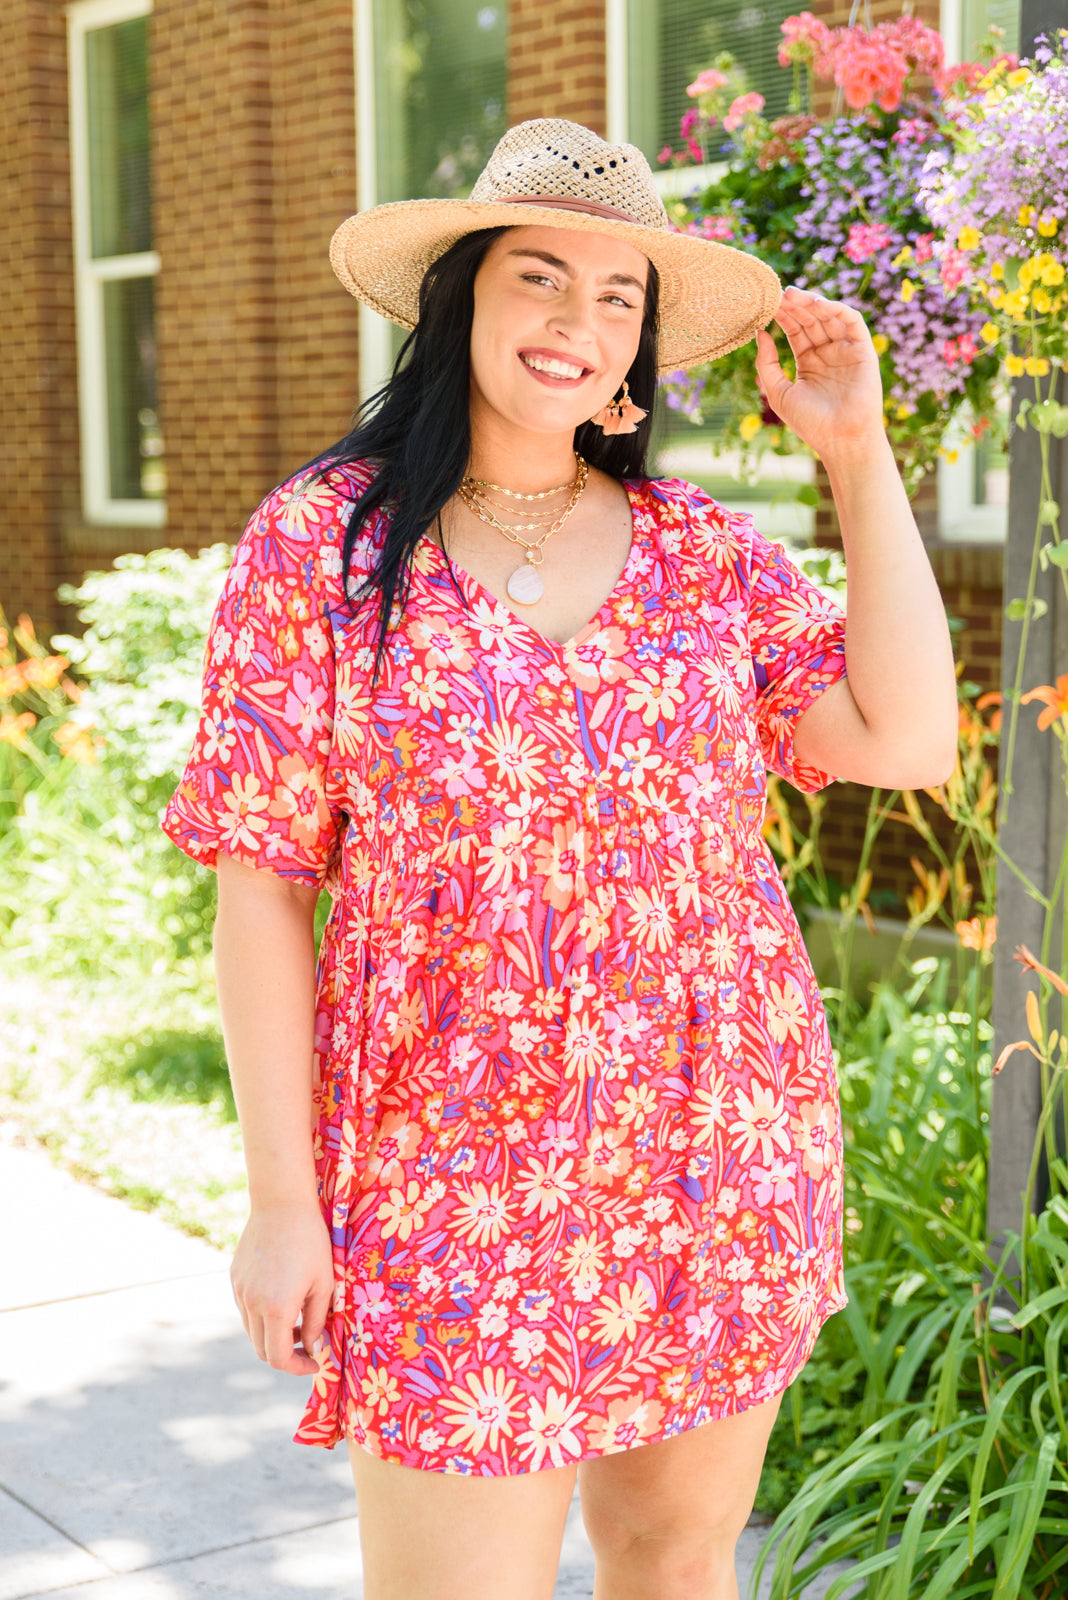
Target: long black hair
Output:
{"points": [[416, 430]]}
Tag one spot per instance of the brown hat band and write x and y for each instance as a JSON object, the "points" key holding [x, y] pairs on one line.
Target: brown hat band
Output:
{"points": [[565, 203]]}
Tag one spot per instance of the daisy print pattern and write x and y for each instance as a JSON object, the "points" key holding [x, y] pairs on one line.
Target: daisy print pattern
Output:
{"points": [[579, 1144]]}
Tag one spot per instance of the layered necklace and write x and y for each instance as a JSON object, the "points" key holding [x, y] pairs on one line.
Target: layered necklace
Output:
{"points": [[525, 585]]}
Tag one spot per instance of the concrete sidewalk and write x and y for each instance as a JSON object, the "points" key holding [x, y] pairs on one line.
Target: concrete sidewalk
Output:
{"points": [[145, 1452]]}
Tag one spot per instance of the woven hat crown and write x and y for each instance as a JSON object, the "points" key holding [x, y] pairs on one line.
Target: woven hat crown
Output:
{"points": [[548, 156]]}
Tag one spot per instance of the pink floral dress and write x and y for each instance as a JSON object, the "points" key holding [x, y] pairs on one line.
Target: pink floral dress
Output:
{"points": [[579, 1144]]}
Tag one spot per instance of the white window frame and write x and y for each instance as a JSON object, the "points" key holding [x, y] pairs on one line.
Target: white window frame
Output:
{"points": [[374, 333], [775, 519], [90, 276]]}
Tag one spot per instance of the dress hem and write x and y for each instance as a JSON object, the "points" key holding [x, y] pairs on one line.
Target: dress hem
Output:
{"points": [[827, 1311]]}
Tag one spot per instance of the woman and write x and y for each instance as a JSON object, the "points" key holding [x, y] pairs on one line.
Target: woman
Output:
{"points": [[562, 1191]]}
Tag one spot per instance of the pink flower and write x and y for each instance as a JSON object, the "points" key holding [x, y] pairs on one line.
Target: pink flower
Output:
{"points": [[690, 119], [867, 70], [866, 240], [665, 154], [954, 269], [695, 151], [918, 128], [949, 352], [706, 82], [711, 228], [741, 108], [807, 38], [921, 47], [968, 348], [923, 247]]}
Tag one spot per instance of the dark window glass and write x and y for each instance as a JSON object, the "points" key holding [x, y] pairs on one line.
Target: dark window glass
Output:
{"points": [[135, 448], [120, 196]]}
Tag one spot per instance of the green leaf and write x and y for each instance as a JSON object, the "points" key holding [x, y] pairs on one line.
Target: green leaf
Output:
{"points": [[807, 494], [1057, 553], [1034, 1308], [1016, 610]]}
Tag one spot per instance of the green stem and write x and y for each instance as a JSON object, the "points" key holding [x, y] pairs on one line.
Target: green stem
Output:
{"points": [[1025, 631], [872, 827]]}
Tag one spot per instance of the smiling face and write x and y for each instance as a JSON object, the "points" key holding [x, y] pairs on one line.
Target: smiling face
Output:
{"points": [[558, 315]]}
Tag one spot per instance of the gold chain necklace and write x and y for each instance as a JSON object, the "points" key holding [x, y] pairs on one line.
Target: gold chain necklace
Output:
{"points": [[525, 585]]}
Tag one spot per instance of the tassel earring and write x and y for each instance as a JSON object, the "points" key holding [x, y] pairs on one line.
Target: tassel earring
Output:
{"points": [[620, 415]]}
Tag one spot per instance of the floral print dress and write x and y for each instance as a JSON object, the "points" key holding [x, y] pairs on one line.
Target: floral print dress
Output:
{"points": [[579, 1144]]}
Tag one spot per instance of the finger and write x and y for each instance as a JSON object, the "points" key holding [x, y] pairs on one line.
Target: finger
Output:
{"points": [[239, 1302], [313, 1318], [279, 1341], [257, 1335]]}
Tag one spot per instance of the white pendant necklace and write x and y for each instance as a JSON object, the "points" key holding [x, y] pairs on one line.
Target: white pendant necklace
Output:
{"points": [[524, 585]]}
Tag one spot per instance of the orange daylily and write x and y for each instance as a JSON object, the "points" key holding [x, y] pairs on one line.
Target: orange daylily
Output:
{"points": [[993, 698], [978, 933], [13, 729], [1055, 698], [1032, 964]]}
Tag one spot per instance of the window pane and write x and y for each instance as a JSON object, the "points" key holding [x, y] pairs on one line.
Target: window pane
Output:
{"points": [[120, 200], [440, 102], [135, 448], [977, 15], [671, 41]]}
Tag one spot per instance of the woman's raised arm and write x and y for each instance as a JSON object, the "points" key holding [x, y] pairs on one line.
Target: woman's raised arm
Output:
{"points": [[282, 1272], [892, 720]]}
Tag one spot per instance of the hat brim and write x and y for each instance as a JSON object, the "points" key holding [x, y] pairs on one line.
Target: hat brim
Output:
{"points": [[713, 296]]}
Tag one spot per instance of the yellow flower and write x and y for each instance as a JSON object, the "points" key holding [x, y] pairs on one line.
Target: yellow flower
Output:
{"points": [[902, 411], [1026, 215], [948, 455], [903, 255], [997, 298], [1014, 366], [1041, 301], [749, 426], [1047, 225], [1051, 272], [1016, 302], [1027, 274], [989, 333], [968, 239], [1018, 77], [881, 343], [1036, 366], [908, 289], [997, 269]]}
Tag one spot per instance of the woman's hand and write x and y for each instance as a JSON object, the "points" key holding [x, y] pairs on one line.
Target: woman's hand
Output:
{"points": [[283, 1282], [837, 396]]}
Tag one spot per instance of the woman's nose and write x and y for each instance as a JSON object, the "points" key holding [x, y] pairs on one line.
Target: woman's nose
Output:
{"points": [[573, 317]]}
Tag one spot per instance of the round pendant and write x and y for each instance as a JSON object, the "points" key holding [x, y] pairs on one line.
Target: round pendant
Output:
{"points": [[525, 586]]}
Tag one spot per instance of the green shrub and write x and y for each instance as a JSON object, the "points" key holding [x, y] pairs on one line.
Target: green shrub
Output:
{"points": [[87, 879]]}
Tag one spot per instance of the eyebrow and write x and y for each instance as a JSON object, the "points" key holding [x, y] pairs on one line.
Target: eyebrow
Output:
{"points": [[554, 261]]}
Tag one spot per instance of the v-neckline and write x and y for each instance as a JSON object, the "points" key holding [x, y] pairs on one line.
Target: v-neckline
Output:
{"points": [[476, 590]]}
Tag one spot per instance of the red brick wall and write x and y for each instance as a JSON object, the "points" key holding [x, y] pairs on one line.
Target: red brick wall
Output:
{"points": [[254, 167], [314, 137], [556, 61], [253, 121], [38, 397]]}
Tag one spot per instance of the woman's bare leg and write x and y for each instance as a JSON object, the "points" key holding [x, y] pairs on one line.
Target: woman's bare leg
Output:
{"points": [[445, 1536], [664, 1518]]}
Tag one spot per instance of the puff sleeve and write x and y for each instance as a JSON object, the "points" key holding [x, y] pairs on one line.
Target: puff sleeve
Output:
{"points": [[260, 782], [797, 639]]}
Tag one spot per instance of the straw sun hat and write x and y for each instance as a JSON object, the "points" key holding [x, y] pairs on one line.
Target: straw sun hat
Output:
{"points": [[557, 174]]}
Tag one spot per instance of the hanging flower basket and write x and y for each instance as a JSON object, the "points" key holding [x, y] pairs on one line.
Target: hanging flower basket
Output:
{"points": [[837, 206]]}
